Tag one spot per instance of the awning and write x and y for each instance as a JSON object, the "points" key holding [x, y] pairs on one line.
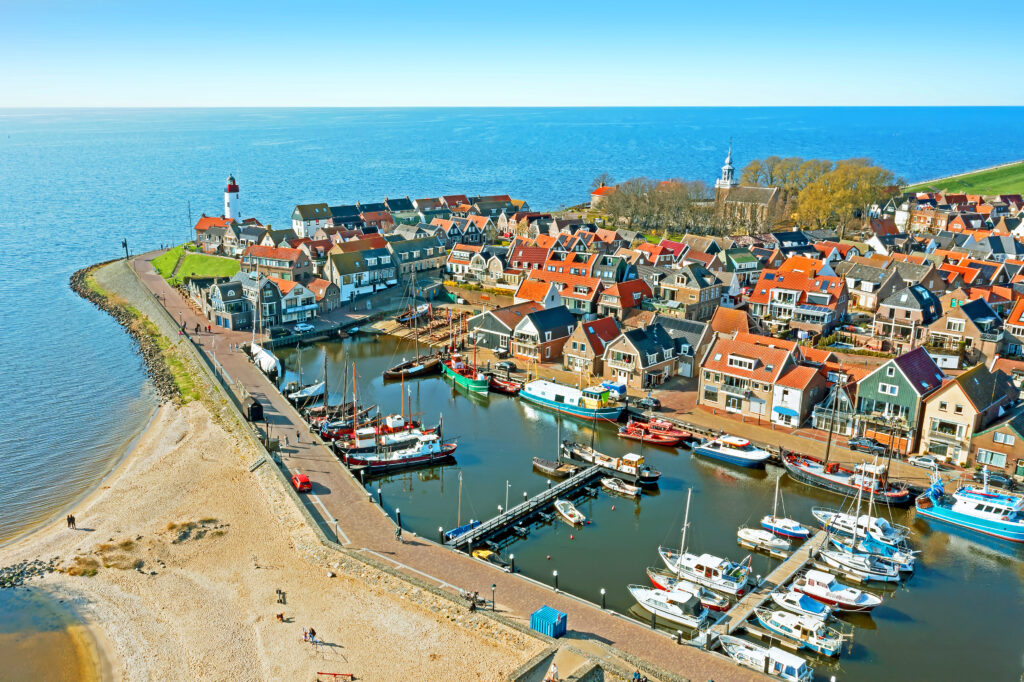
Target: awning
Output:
{"points": [[786, 412]]}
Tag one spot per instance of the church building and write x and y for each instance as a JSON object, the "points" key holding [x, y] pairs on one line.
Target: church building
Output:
{"points": [[749, 205]]}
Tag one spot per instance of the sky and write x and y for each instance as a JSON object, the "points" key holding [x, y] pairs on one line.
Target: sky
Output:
{"points": [[551, 53]]}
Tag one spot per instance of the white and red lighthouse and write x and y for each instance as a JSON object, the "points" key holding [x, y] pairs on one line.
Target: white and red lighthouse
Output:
{"points": [[231, 211]]}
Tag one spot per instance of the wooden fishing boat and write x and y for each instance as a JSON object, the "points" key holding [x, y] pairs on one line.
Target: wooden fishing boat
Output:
{"points": [[632, 464], [504, 386], [666, 580], [425, 449], [413, 315], [871, 479], [550, 467], [569, 512], [422, 366], [620, 487], [771, 661], [639, 431], [461, 373]]}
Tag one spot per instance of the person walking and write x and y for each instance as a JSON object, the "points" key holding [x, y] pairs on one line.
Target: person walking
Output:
{"points": [[68, 519], [398, 533], [74, 524]]}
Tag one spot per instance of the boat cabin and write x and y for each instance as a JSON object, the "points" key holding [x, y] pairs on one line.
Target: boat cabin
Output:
{"points": [[994, 506], [595, 397], [632, 463], [394, 422], [787, 666], [822, 579]]}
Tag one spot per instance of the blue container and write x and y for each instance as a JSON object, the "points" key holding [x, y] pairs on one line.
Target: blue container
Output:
{"points": [[548, 621]]}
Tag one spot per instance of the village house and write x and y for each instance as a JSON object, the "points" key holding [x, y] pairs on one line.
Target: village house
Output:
{"points": [[867, 285], [960, 408], [583, 352], [737, 375], [308, 218], [544, 293], [210, 239], [618, 298], [459, 263], [641, 358], [290, 264], [889, 399], [598, 194], [1000, 446], [695, 289], [966, 334], [401, 210], [382, 221], [805, 301], [840, 402], [225, 305], [611, 269], [1014, 328], [414, 256], [741, 261], [541, 335], [238, 236], [691, 338], [298, 304], [345, 217], [493, 329], [903, 317], [264, 299], [358, 273], [579, 293], [279, 237], [924, 274], [327, 294]]}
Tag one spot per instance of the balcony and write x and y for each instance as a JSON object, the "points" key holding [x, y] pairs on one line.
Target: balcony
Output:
{"points": [[737, 391], [945, 436], [628, 364]]}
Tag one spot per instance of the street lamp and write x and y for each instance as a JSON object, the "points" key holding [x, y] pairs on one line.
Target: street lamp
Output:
{"points": [[512, 558], [492, 596], [602, 598], [555, 574]]}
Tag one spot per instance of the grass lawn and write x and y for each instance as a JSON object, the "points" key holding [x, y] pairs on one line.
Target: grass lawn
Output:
{"points": [[165, 262], [1005, 180], [201, 265]]}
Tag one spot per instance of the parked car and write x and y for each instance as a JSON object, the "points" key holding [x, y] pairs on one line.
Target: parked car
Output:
{"points": [[278, 332], [925, 462], [997, 479], [649, 403], [303, 327], [868, 445], [301, 483], [507, 366]]}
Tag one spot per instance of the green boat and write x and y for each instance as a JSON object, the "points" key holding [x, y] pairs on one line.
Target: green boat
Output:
{"points": [[465, 375]]}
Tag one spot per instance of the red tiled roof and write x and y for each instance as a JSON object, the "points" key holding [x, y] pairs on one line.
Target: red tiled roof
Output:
{"points": [[694, 256], [528, 254], [278, 252], [677, 248], [827, 247], [285, 285], [208, 221], [511, 315], [455, 199], [797, 377], [605, 236], [567, 283], [765, 357], [603, 190], [624, 292], [1016, 316], [968, 274], [370, 241], [600, 332], [805, 264], [730, 321], [318, 287], [546, 241], [834, 287], [533, 290]]}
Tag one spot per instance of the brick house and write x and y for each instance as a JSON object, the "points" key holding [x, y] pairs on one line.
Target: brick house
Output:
{"points": [[641, 358], [737, 375], [972, 332], [695, 288], [583, 352], [617, 299], [285, 263], [1000, 446], [806, 301], [795, 394], [904, 316], [541, 335]]}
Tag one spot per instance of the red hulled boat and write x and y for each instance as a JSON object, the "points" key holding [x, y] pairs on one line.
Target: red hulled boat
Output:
{"points": [[639, 431], [504, 386]]}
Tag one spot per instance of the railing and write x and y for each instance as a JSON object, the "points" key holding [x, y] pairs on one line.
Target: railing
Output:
{"points": [[620, 364], [992, 336]]}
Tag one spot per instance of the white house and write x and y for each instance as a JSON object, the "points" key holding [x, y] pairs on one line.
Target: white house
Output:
{"points": [[298, 304], [308, 218], [545, 293]]}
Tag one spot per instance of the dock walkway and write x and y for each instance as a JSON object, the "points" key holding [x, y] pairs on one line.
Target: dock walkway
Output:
{"points": [[534, 504], [744, 608]]}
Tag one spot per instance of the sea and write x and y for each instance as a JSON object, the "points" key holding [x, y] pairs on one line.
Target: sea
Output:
{"points": [[76, 183]]}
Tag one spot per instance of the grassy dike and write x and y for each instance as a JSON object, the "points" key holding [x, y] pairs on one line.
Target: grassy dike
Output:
{"points": [[164, 364]]}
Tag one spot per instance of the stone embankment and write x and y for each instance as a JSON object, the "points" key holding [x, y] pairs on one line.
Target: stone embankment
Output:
{"points": [[135, 324]]}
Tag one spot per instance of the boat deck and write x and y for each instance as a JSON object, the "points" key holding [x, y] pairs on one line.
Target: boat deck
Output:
{"points": [[737, 616]]}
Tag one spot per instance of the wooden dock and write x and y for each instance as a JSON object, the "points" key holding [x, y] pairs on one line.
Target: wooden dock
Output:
{"points": [[523, 509], [744, 608]]}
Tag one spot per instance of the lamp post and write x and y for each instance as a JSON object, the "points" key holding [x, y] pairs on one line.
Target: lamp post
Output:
{"points": [[603, 598], [512, 559], [398, 516], [493, 586], [555, 574]]}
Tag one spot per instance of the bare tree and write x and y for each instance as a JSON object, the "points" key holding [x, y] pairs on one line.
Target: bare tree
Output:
{"points": [[602, 180]]}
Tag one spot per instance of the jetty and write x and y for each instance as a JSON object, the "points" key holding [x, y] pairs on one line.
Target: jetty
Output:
{"points": [[737, 616], [536, 503]]}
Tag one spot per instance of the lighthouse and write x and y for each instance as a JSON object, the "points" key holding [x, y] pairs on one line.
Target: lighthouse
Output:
{"points": [[231, 211]]}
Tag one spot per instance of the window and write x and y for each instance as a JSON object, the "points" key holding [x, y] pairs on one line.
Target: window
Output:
{"points": [[890, 371], [943, 405], [1004, 438], [954, 325], [959, 409], [996, 459], [888, 389], [740, 362], [547, 336]]}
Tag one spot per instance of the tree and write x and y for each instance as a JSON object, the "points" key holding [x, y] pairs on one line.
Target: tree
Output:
{"points": [[602, 180], [832, 198]]}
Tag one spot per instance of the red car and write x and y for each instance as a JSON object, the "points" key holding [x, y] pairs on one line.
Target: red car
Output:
{"points": [[301, 483]]}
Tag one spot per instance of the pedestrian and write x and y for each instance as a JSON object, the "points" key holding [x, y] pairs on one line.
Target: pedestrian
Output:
{"points": [[68, 519], [398, 533], [312, 635], [286, 441], [305, 635], [74, 524]]}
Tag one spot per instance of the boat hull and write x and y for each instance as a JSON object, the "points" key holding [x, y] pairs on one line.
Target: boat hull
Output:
{"points": [[1011, 532], [837, 604], [902, 499], [392, 464], [651, 438], [786, 532], [607, 413], [475, 385], [411, 370], [729, 459]]}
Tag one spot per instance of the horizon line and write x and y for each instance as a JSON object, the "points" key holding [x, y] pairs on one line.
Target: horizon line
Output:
{"points": [[515, 106]]}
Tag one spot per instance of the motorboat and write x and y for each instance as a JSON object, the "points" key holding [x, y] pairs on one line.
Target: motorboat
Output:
{"points": [[550, 467], [492, 557], [771, 661], [824, 587], [978, 510], [869, 478], [639, 431], [839, 523], [620, 487], [679, 606], [504, 386], [863, 566], [808, 632], [461, 530], [782, 526], [733, 450], [657, 425], [663, 579], [798, 602], [464, 374], [902, 559], [569, 512], [631, 464], [758, 538]]}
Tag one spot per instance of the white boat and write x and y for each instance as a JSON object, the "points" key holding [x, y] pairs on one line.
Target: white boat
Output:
{"points": [[808, 632], [825, 588], [307, 393], [733, 450], [798, 602], [902, 559], [771, 661], [569, 512], [679, 606], [265, 360], [780, 525], [620, 487], [863, 566], [707, 570], [762, 539], [875, 527], [663, 579], [978, 510]]}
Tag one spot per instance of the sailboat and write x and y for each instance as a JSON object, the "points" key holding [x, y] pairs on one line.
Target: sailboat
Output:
{"points": [[422, 364], [708, 570], [461, 528], [902, 559], [787, 528]]}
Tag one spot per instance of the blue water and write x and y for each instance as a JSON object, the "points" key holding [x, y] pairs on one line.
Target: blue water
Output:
{"points": [[73, 183]]}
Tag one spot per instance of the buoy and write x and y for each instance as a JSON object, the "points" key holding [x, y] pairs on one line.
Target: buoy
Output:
{"points": [[571, 536], [549, 557], [613, 507]]}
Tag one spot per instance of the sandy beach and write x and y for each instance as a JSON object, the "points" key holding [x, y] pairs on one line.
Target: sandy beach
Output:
{"points": [[179, 556]]}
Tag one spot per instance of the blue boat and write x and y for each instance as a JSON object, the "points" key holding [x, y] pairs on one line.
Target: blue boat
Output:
{"points": [[590, 403], [998, 515], [733, 450], [461, 530]]}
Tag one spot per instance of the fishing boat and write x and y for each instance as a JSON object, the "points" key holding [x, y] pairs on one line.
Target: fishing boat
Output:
{"points": [[824, 587], [632, 464], [550, 467], [461, 530], [590, 403], [427, 449], [839, 523], [464, 374], [807, 632], [569, 512], [504, 386], [787, 528], [872, 479], [733, 450], [863, 566], [368, 440], [420, 366], [757, 538], [333, 429], [800, 603], [771, 661], [639, 431], [620, 487], [307, 393], [414, 314], [707, 570], [663, 579], [975, 509], [679, 606]]}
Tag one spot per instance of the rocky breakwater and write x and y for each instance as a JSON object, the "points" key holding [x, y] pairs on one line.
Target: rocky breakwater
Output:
{"points": [[138, 327], [15, 575]]}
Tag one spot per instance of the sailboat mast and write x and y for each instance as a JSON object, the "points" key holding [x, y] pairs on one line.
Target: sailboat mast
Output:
{"points": [[775, 507], [327, 395], [832, 420], [686, 522], [458, 521]]}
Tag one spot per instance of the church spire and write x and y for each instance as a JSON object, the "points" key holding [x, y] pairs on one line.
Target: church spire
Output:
{"points": [[728, 179]]}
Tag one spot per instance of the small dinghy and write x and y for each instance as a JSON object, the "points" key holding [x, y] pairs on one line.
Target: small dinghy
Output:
{"points": [[770, 661], [663, 579], [620, 487], [550, 467], [798, 602], [639, 431], [504, 386], [568, 511], [756, 538]]}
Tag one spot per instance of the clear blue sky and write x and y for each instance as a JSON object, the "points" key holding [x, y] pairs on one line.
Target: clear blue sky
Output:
{"points": [[682, 52]]}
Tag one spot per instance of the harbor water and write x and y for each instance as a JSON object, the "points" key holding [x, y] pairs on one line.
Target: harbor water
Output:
{"points": [[964, 598]]}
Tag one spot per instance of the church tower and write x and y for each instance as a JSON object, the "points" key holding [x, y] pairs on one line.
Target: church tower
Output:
{"points": [[728, 179], [231, 211]]}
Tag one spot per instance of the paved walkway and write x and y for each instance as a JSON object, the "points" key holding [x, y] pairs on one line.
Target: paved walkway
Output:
{"points": [[361, 524]]}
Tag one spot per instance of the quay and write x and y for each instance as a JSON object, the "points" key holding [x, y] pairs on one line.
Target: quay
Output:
{"points": [[524, 509], [737, 616]]}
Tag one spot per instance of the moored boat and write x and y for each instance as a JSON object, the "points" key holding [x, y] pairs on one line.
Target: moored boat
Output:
{"points": [[902, 559], [679, 606], [758, 538], [568, 511], [590, 403], [639, 431], [807, 632], [975, 509], [307, 393], [461, 373], [492, 557], [663, 579], [787, 528], [768, 660], [421, 366], [798, 602], [427, 449], [863, 566], [840, 523], [631, 464], [620, 487], [733, 450], [656, 425], [504, 386], [825, 588], [871, 479], [461, 530], [550, 467]]}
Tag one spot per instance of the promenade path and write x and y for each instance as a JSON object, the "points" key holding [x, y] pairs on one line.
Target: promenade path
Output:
{"points": [[343, 504]]}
